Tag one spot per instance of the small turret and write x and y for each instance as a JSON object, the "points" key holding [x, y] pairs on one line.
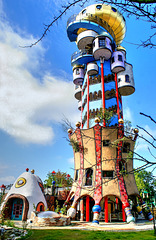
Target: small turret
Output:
{"points": [[126, 81], [117, 62], [92, 69], [102, 47], [78, 74]]}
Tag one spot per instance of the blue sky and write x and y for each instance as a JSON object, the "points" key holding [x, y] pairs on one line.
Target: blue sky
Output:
{"points": [[36, 88]]}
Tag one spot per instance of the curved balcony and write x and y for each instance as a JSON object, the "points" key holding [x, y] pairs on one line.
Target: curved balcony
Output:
{"points": [[79, 105], [78, 92], [89, 21], [82, 57], [85, 39]]}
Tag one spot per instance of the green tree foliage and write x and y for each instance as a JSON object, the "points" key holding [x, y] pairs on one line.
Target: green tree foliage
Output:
{"points": [[146, 183], [107, 115], [61, 179]]}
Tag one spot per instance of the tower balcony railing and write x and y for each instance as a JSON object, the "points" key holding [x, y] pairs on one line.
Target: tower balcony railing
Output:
{"points": [[91, 18], [79, 54]]}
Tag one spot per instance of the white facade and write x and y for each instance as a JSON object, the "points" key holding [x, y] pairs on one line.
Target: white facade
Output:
{"points": [[85, 38], [27, 185], [92, 69], [78, 75], [102, 47], [117, 62], [126, 80]]}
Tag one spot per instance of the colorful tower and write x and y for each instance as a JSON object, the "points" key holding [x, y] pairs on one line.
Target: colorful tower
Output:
{"points": [[102, 152]]}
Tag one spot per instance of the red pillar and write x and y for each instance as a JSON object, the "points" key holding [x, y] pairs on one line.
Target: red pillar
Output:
{"points": [[81, 108], [81, 210], [106, 209], [87, 101], [103, 90], [87, 208], [121, 108], [123, 214], [117, 96], [117, 203]]}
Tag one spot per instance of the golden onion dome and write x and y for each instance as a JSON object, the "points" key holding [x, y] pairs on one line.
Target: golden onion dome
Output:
{"points": [[107, 17]]}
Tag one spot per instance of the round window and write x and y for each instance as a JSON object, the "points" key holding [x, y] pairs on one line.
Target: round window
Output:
{"points": [[98, 7], [114, 9], [20, 182], [84, 11]]}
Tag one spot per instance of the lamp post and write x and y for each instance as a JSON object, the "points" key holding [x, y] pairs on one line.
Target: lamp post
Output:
{"points": [[53, 184], [153, 219]]}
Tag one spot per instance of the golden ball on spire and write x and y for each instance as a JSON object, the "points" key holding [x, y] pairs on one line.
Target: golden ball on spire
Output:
{"points": [[97, 120], [121, 121], [70, 130], [78, 124], [136, 130]]}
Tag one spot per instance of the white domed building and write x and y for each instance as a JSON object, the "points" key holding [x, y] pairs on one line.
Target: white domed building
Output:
{"points": [[25, 196]]}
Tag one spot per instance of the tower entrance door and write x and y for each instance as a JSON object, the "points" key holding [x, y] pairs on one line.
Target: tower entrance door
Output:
{"points": [[17, 209]]}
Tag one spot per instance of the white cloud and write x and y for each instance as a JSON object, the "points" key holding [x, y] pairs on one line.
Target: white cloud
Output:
{"points": [[71, 160], [7, 179], [3, 168], [28, 107], [128, 114]]}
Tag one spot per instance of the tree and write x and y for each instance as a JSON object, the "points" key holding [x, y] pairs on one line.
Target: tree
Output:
{"points": [[146, 184], [141, 9], [61, 179]]}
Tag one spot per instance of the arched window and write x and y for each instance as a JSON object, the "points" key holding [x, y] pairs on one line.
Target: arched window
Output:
{"points": [[40, 207], [76, 175], [99, 94], [90, 96], [120, 58], [77, 71], [95, 95], [90, 80], [127, 79], [109, 78], [99, 78], [89, 175], [93, 113]]}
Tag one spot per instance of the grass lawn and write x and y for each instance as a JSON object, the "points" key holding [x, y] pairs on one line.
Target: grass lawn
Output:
{"points": [[88, 235]]}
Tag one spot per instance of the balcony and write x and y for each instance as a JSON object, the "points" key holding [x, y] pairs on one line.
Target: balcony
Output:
{"points": [[82, 57], [78, 92]]}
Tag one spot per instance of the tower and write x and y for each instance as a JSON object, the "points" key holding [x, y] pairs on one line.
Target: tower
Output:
{"points": [[102, 151]]}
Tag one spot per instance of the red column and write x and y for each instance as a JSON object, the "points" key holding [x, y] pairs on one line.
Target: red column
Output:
{"points": [[106, 209], [87, 101], [81, 108], [121, 108], [81, 210], [103, 90], [123, 214], [117, 203], [117, 96], [87, 208]]}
